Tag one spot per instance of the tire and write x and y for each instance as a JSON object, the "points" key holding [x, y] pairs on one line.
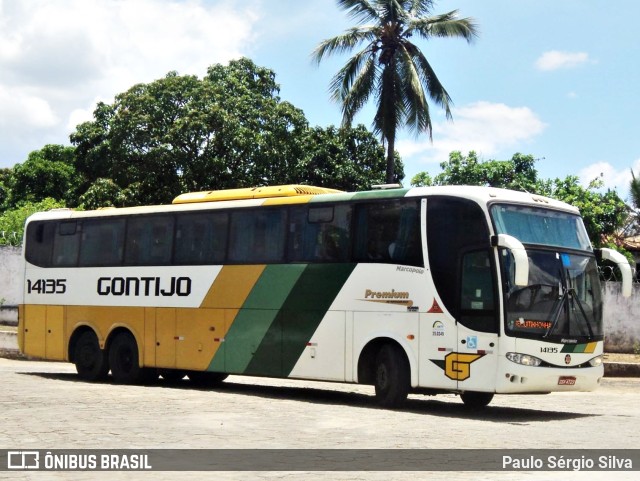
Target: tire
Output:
{"points": [[476, 400], [207, 378], [124, 361], [91, 361], [392, 376], [172, 375]]}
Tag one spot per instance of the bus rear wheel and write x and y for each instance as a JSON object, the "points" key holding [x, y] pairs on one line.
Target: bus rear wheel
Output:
{"points": [[476, 400], [123, 359], [91, 361], [392, 380]]}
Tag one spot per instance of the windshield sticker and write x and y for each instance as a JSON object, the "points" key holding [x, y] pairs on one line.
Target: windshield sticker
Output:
{"points": [[529, 324], [566, 260]]}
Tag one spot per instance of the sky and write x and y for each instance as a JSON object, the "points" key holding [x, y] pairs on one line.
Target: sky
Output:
{"points": [[557, 79]]}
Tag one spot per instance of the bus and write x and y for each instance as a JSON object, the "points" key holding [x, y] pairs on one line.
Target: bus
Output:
{"points": [[450, 289]]}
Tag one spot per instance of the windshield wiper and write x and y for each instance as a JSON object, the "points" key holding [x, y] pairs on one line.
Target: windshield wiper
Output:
{"points": [[569, 293]]}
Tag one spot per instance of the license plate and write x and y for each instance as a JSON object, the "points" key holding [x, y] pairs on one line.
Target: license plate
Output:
{"points": [[566, 381]]}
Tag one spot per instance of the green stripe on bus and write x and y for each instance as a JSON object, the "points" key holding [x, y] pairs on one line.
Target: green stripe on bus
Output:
{"points": [[380, 194], [299, 318], [255, 317]]}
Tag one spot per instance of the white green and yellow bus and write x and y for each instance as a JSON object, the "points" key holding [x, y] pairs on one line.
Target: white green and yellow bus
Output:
{"points": [[469, 290]]}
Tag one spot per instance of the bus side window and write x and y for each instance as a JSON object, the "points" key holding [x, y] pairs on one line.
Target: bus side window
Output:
{"points": [[257, 236], [389, 232], [66, 243], [39, 245], [477, 281], [201, 238], [102, 242], [149, 240]]}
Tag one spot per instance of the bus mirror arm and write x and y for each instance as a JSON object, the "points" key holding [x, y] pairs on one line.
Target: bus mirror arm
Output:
{"points": [[519, 255], [622, 262]]}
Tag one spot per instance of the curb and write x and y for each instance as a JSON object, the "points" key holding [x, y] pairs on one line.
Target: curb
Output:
{"points": [[621, 369], [9, 349]]}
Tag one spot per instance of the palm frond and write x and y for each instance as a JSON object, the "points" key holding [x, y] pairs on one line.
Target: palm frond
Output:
{"points": [[418, 8], [416, 105], [634, 187], [391, 11], [361, 89], [360, 10], [343, 81], [343, 43], [429, 78], [445, 25]]}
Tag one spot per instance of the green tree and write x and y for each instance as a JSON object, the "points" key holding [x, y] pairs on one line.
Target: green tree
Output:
{"points": [[5, 177], [603, 213], [518, 173], [346, 158], [227, 130], [12, 221], [390, 67], [47, 173], [180, 133]]}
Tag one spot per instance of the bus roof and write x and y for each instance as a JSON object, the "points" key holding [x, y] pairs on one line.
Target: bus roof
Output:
{"points": [[252, 193], [295, 194]]}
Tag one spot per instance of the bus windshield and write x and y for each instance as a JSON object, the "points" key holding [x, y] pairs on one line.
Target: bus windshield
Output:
{"points": [[562, 302], [534, 225]]}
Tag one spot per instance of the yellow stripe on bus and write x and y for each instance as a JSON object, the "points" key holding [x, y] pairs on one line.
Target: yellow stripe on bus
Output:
{"points": [[232, 286]]}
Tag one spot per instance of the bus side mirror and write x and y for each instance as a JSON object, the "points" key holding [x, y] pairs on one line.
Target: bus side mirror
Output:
{"points": [[519, 256], [622, 263]]}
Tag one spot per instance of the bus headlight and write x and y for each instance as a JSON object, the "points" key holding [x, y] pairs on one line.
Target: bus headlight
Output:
{"points": [[524, 359], [596, 361]]}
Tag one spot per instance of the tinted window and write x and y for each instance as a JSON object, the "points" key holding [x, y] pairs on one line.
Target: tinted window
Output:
{"points": [[39, 243], [149, 240], [320, 234], [102, 242], [257, 236], [201, 238], [66, 243], [389, 232]]}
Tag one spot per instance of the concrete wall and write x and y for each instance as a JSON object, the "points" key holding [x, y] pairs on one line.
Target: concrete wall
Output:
{"points": [[621, 316], [11, 275]]}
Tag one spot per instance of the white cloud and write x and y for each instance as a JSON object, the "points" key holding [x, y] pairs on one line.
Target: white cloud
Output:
{"points": [[19, 107], [484, 127], [612, 178], [555, 59], [57, 56]]}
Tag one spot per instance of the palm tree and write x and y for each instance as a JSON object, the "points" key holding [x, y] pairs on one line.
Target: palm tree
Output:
{"points": [[634, 186], [390, 67]]}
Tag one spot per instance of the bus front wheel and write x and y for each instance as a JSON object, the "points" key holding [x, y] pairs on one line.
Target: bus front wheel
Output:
{"points": [[476, 400], [392, 380], [123, 359], [91, 361]]}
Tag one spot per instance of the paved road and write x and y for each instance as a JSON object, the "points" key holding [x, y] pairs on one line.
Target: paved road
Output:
{"points": [[43, 406]]}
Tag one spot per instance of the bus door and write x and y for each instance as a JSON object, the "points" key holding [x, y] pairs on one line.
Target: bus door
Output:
{"points": [[464, 275], [476, 361]]}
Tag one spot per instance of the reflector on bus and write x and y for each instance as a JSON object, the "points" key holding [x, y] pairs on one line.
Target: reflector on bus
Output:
{"points": [[252, 193]]}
